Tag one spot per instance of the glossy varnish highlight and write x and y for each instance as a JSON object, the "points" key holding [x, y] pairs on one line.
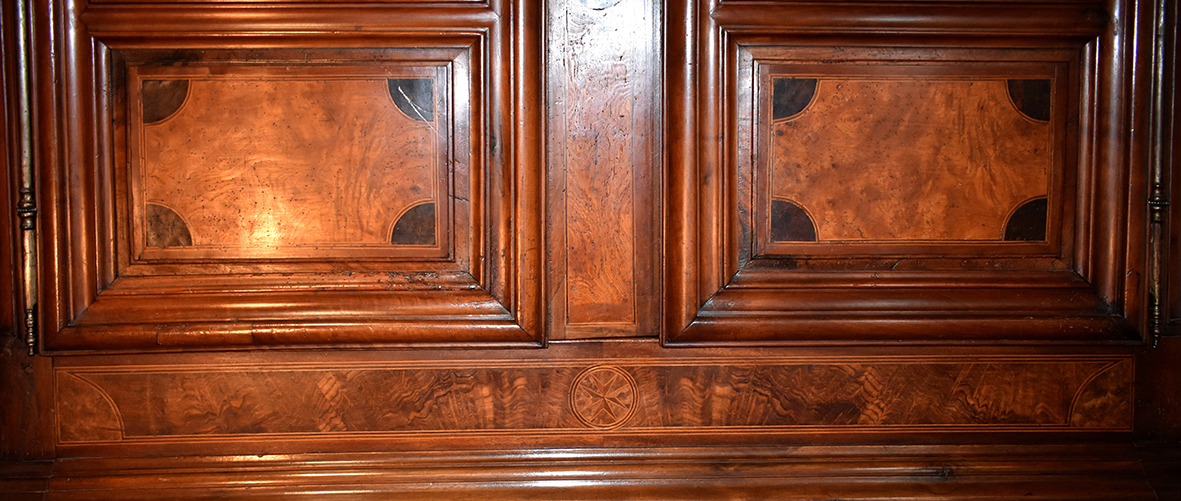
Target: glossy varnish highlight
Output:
{"points": [[603, 159], [256, 165]]}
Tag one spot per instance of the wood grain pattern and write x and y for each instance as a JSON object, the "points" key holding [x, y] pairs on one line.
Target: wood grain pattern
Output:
{"points": [[1027, 342], [908, 158], [92, 413], [1098, 401], [268, 162], [690, 396], [470, 275], [603, 156], [729, 282]]}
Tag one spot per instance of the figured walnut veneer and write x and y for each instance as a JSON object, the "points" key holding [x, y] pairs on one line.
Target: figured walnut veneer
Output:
{"points": [[603, 159], [256, 165], [907, 158], [954, 277], [875, 193], [574, 397], [372, 178]]}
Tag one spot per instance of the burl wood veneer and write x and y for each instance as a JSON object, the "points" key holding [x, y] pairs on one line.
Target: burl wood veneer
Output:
{"points": [[872, 193], [590, 249], [904, 158], [369, 191], [254, 165], [582, 397], [603, 159]]}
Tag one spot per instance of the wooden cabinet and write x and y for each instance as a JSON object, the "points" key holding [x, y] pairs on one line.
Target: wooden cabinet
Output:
{"points": [[617, 249]]}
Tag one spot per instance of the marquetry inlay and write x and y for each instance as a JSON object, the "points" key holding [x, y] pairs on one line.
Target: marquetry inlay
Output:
{"points": [[603, 397]]}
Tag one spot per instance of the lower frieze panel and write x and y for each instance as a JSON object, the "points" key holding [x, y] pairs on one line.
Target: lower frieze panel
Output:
{"points": [[603, 396]]}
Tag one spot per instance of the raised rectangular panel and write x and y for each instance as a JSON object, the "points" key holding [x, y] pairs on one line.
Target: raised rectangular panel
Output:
{"points": [[833, 181], [603, 165], [934, 157], [274, 162], [305, 188]]}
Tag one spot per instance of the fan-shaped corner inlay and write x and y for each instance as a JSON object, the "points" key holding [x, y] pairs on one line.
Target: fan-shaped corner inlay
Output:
{"points": [[416, 226], [1032, 97], [1028, 222], [165, 228], [415, 97], [790, 96], [791, 223], [162, 98]]}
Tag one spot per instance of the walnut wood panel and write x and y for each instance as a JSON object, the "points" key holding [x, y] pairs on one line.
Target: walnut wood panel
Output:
{"points": [[749, 262], [829, 177], [577, 396], [256, 165], [908, 158], [603, 160], [984, 144], [370, 176]]}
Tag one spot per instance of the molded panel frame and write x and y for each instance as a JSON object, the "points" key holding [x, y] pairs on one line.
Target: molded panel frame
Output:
{"points": [[1086, 289], [483, 290]]}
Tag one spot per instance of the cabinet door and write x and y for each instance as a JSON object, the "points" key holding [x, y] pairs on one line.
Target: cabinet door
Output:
{"points": [[901, 173], [299, 174]]}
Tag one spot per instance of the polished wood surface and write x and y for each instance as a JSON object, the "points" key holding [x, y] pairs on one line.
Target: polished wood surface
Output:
{"points": [[252, 164], [903, 159], [603, 160], [734, 278], [1059, 473], [684, 394], [24, 412], [296, 175], [526, 250]]}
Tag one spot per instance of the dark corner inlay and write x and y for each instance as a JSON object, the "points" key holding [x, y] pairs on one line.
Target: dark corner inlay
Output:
{"points": [[415, 97], [161, 98], [1032, 97], [1028, 222], [791, 223], [791, 95], [165, 228], [416, 226]]}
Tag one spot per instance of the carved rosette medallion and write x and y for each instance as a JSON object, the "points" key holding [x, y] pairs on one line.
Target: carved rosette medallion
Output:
{"points": [[603, 397]]}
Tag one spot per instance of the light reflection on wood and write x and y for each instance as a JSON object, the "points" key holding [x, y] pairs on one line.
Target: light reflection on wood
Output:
{"points": [[277, 162]]}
